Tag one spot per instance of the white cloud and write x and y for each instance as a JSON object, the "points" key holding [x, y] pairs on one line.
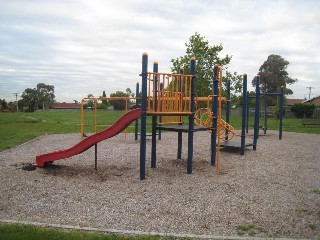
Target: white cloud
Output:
{"points": [[85, 47]]}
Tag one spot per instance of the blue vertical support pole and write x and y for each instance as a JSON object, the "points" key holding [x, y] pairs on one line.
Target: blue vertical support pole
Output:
{"points": [[244, 113], [228, 108], [214, 111], [265, 115], [143, 131], [281, 112], [154, 117], [96, 156], [256, 113], [191, 117], [160, 117], [179, 132], [248, 111], [136, 125]]}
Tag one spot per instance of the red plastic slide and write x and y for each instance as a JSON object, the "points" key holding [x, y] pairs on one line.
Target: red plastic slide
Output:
{"points": [[88, 142]]}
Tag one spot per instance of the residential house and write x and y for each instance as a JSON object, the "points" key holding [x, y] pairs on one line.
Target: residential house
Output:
{"points": [[66, 106], [292, 101], [315, 101]]}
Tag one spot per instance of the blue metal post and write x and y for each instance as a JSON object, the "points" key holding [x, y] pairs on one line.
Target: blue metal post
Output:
{"points": [[160, 117], [136, 125], [256, 113], [191, 117], [265, 115], [248, 111], [154, 117], [96, 156], [244, 112], [281, 112], [180, 133], [228, 108], [214, 110], [143, 131]]}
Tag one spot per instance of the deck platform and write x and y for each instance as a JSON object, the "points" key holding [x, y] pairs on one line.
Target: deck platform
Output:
{"points": [[181, 128], [234, 144]]}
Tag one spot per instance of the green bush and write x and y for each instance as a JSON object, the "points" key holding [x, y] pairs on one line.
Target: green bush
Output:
{"points": [[300, 110], [276, 111]]}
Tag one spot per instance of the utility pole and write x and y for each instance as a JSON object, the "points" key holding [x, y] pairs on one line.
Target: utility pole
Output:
{"points": [[17, 101], [310, 91]]}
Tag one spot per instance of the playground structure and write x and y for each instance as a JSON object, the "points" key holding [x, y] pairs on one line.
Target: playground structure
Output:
{"points": [[257, 98], [167, 98], [177, 91], [204, 117]]}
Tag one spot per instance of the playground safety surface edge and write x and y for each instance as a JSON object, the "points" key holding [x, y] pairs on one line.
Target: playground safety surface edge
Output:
{"points": [[131, 232]]}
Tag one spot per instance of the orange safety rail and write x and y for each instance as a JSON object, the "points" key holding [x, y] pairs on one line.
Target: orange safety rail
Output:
{"points": [[170, 120], [219, 118], [169, 93], [95, 100]]}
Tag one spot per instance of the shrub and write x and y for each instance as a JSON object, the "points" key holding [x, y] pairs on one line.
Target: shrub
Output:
{"points": [[300, 110], [276, 111]]}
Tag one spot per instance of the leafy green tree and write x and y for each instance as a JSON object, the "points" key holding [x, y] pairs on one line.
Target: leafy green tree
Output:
{"points": [[12, 105], [3, 104], [118, 104], [31, 97], [235, 87], [22, 105], [42, 95], [101, 106], [129, 92], [206, 56], [46, 95], [105, 102], [273, 75], [89, 103]]}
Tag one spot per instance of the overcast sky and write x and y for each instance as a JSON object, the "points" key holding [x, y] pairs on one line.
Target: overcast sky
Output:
{"points": [[84, 47]]}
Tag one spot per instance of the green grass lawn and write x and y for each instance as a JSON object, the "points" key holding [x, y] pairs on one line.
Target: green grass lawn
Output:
{"points": [[17, 128], [22, 232]]}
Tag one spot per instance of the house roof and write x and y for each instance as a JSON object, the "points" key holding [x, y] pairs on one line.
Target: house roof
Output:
{"points": [[310, 100], [67, 106], [292, 101]]}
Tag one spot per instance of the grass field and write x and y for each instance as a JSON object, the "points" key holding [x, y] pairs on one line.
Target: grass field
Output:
{"points": [[22, 232], [17, 128]]}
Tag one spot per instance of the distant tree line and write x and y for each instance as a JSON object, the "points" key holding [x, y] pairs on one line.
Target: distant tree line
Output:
{"points": [[43, 97], [114, 104], [40, 97]]}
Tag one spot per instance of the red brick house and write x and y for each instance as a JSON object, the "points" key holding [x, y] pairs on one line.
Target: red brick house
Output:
{"points": [[292, 101], [66, 106]]}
